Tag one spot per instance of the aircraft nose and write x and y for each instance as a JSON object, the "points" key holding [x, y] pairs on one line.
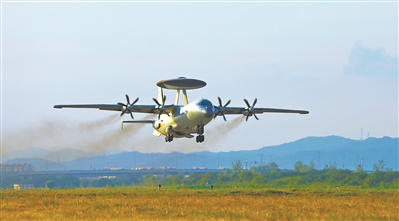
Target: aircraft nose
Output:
{"points": [[207, 112]]}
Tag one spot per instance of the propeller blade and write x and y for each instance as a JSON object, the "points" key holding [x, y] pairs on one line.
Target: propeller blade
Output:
{"points": [[245, 100], [217, 113], [128, 106], [250, 109], [253, 105], [137, 99], [161, 108], [228, 102], [220, 108], [156, 101]]}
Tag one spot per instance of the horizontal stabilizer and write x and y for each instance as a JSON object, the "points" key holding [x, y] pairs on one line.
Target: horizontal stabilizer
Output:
{"points": [[139, 121], [156, 133]]}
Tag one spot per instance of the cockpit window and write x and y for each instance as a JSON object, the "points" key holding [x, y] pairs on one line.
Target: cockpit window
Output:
{"points": [[205, 103]]}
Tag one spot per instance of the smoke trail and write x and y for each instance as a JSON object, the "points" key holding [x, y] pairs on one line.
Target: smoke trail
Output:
{"points": [[216, 134], [98, 123], [221, 130], [56, 135], [116, 139], [213, 135], [105, 134]]}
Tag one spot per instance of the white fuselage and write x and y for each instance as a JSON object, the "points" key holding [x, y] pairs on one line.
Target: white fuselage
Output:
{"points": [[185, 120]]}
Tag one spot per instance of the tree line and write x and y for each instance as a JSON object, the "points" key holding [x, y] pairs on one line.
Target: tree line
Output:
{"points": [[263, 175], [269, 175]]}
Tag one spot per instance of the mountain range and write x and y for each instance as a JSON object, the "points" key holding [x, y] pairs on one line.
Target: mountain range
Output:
{"points": [[345, 153]]}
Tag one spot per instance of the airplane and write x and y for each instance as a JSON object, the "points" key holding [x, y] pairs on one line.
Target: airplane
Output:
{"points": [[178, 121]]}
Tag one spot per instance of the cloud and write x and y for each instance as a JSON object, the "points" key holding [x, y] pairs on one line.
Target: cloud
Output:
{"points": [[371, 62]]}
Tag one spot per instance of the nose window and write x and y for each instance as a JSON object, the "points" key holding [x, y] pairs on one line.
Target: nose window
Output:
{"points": [[205, 103]]}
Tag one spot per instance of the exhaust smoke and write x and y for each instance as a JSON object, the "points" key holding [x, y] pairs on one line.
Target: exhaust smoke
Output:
{"points": [[97, 135], [105, 134]]}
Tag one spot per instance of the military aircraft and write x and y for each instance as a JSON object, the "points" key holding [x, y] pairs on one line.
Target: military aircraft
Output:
{"points": [[177, 121]]}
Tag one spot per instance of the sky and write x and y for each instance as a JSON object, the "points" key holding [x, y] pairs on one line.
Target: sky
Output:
{"points": [[337, 60]]}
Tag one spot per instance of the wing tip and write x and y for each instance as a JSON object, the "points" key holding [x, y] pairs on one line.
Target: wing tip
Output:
{"points": [[58, 106]]}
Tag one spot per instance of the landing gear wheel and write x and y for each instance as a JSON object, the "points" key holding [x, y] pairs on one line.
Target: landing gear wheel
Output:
{"points": [[200, 138], [168, 138], [200, 131]]}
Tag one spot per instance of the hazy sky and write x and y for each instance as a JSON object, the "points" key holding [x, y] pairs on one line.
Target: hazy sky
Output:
{"points": [[337, 60]]}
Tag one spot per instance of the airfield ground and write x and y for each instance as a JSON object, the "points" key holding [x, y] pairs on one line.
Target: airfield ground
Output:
{"points": [[143, 203]]}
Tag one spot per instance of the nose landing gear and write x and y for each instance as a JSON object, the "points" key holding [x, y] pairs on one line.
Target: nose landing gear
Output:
{"points": [[200, 131], [169, 136]]}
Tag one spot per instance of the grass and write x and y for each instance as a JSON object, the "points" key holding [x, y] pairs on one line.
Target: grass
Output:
{"points": [[133, 203]]}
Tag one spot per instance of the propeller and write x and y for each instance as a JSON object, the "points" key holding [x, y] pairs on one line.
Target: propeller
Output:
{"points": [[250, 109], [128, 107], [161, 107], [220, 108]]}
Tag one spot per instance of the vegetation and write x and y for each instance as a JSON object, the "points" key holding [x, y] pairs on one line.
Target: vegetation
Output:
{"points": [[303, 176], [260, 193], [267, 175], [170, 203]]}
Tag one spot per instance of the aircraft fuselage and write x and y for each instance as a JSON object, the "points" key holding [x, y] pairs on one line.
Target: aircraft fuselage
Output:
{"points": [[186, 120]]}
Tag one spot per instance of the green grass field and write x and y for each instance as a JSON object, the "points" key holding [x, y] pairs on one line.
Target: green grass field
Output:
{"points": [[139, 203]]}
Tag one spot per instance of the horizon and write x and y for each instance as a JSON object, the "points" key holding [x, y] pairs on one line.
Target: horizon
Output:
{"points": [[121, 151]]}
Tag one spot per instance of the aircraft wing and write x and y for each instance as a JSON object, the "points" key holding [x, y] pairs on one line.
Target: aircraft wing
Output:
{"points": [[111, 107], [242, 110]]}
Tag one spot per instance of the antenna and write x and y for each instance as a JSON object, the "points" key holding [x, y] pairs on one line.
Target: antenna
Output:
{"points": [[362, 162], [361, 133]]}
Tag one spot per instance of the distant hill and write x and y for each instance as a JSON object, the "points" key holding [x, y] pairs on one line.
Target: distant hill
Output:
{"points": [[346, 153], [54, 156]]}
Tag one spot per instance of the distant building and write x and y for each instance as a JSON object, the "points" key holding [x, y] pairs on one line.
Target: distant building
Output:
{"points": [[23, 186], [17, 187], [113, 168], [17, 168]]}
